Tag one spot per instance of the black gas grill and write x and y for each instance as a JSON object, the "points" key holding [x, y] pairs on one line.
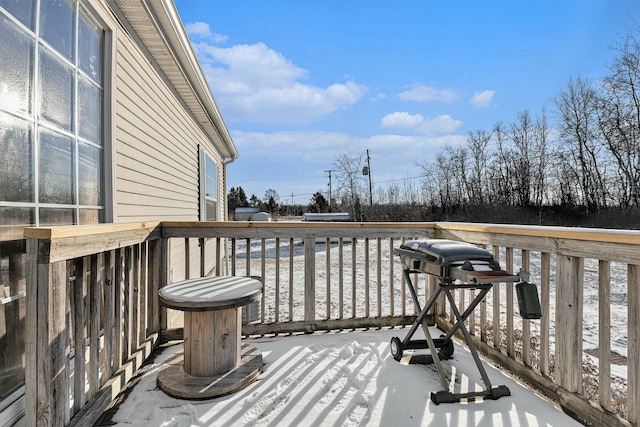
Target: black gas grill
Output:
{"points": [[457, 265]]}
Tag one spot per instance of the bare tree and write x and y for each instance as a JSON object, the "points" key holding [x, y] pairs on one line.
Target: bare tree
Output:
{"points": [[522, 138], [445, 177], [350, 185], [500, 173], [619, 117], [584, 156], [478, 143], [540, 159]]}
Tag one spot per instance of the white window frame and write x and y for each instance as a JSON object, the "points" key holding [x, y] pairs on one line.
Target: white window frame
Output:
{"points": [[203, 157]]}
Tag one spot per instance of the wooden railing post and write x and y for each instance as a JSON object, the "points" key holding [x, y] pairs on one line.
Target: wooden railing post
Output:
{"points": [[569, 280], [79, 293], [46, 373], [163, 280], [153, 278], [309, 279]]}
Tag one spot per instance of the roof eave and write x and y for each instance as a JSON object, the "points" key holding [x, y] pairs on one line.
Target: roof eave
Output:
{"points": [[183, 65]]}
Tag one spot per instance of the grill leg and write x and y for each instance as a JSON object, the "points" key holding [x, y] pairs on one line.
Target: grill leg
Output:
{"points": [[421, 320], [422, 314], [467, 338], [414, 297], [434, 354], [484, 289]]}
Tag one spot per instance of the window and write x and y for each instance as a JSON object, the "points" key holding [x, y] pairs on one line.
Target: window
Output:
{"points": [[208, 187], [51, 114], [52, 57]]}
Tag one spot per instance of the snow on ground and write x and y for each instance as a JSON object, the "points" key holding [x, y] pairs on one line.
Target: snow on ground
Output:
{"points": [[341, 379]]}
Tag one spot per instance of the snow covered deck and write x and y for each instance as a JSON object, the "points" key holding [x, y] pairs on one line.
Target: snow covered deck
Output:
{"points": [[340, 378], [584, 351]]}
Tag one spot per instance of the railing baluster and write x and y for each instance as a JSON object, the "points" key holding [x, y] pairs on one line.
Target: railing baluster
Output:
{"points": [[526, 323], [483, 320], [367, 283], [95, 294], [341, 276], [461, 295], [144, 293], [154, 273], [119, 308], [79, 296], [277, 284], [234, 255], [509, 297], [263, 266], [128, 303], [353, 278], [328, 274], [202, 244], [219, 258], [187, 259], [391, 279], [291, 293], [109, 304], [496, 305], [135, 303], [633, 343], [379, 275], [247, 271], [545, 301], [604, 334], [309, 279]]}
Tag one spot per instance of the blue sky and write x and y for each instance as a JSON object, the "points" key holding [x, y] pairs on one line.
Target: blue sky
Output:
{"points": [[301, 82]]}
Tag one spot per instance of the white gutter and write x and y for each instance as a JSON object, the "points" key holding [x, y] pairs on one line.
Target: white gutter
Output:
{"points": [[172, 28]]}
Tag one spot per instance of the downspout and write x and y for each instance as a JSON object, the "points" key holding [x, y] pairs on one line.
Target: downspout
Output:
{"points": [[224, 183]]}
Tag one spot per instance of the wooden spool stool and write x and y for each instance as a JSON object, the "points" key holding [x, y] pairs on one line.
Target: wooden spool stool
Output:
{"points": [[214, 362]]}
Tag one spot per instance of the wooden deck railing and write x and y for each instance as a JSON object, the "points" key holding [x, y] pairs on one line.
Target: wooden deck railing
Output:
{"points": [[93, 313]]}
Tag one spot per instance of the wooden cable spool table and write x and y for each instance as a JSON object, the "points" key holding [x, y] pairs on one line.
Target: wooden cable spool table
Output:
{"points": [[215, 362]]}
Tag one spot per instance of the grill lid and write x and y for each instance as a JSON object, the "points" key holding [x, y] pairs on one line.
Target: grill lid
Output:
{"points": [[447, 252]]}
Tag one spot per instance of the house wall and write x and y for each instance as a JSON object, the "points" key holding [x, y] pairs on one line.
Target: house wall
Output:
{"points": [[156, 144], [156, 154]]}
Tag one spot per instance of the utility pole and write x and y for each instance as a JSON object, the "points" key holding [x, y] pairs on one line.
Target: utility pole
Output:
{"points": [[367, 171], [329, 172]]}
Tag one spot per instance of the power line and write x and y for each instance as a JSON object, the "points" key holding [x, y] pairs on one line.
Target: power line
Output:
{"points": [[293, 195]]}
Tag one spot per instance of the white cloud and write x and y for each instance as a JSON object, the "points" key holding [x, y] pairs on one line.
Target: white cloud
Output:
{"points": [[402, 120], [296, 161], [442, 124], [322, 146], [254, 83], [198, 29], [421, 93], [202, 31], [482, 99]]}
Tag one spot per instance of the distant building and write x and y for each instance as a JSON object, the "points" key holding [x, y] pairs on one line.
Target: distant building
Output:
{"points": [[326, 217], [261, 216], [244, 213]]}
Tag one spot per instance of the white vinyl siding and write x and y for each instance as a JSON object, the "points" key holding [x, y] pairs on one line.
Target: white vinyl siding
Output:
{"points": [[156, 159], [157, 173]]}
